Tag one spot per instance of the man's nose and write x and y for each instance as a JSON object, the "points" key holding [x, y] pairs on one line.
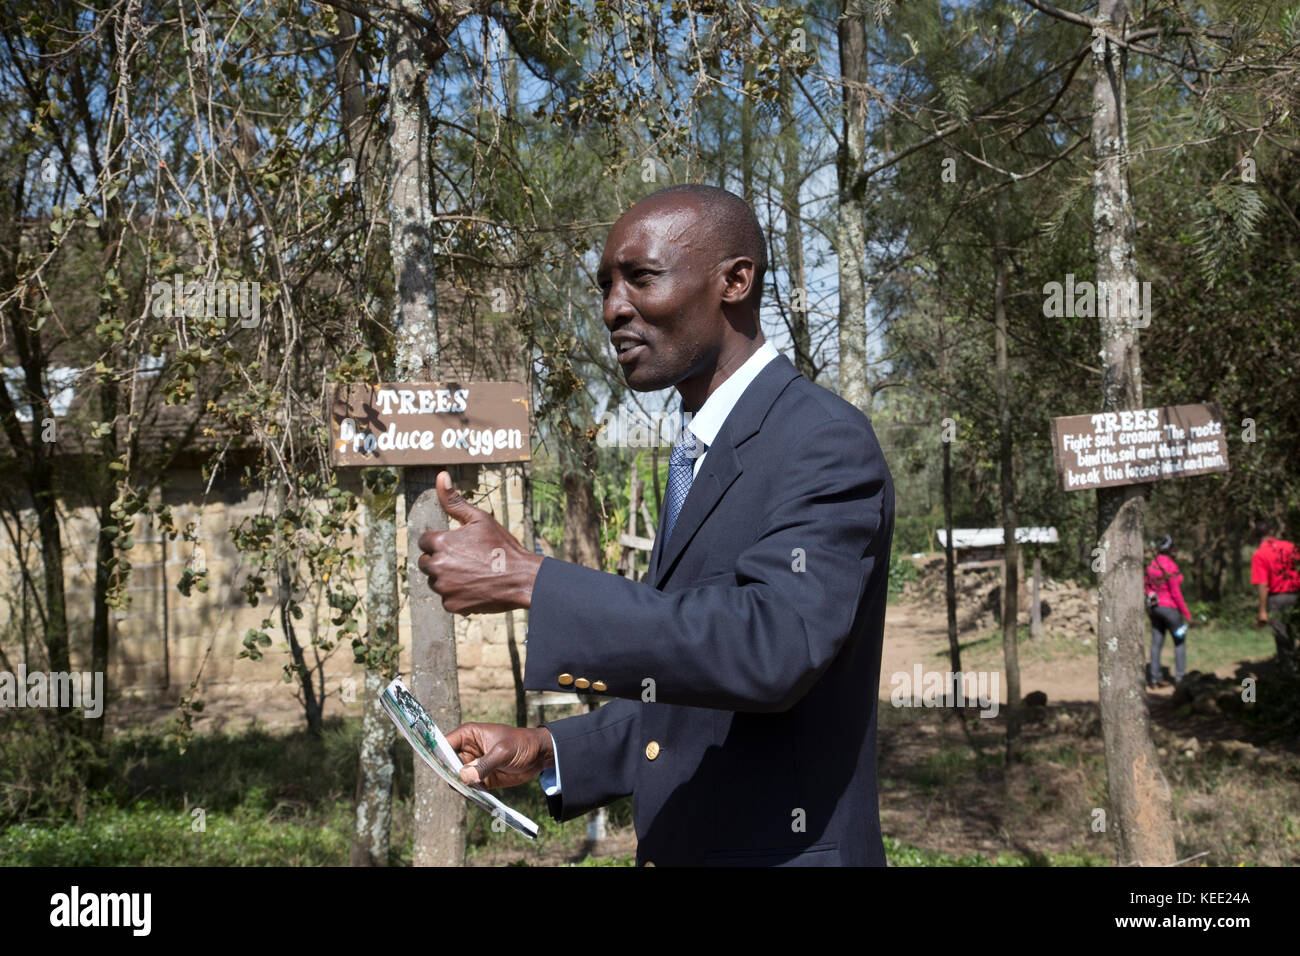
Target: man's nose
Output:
{"points": [[616, 308]]}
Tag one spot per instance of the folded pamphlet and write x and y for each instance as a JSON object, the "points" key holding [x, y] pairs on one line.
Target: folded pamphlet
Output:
{"points": [[427, 740]]}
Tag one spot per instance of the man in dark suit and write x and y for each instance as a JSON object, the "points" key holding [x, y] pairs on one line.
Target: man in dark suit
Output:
{"points": [[744, 670]]}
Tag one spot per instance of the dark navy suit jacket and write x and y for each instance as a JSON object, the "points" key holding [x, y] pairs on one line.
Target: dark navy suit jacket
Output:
{"points": [[745, 667]]}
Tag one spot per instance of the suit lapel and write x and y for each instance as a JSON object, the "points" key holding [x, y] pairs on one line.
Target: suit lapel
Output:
{"points": [[721, 466], [652, 570]]}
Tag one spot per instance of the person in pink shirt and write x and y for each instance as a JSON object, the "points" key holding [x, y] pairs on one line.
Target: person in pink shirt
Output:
{"points": [[1167, 610]]}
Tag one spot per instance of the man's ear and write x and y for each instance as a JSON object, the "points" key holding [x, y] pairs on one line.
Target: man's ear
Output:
{"points": [[738, 279]]}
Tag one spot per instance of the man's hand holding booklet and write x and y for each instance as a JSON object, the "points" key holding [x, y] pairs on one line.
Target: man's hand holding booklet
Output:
{"points": [[428, 741]]}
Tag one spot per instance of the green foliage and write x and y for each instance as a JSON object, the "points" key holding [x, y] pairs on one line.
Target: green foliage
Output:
{"points": [[902, 854], [233, 799], [47, 767], [915, 533], [1226, 221], [626, 860], [147, 835], [901, 570]]}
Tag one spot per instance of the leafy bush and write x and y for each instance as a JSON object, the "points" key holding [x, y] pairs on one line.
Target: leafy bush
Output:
{"points": [[901, 570], [46, 767], [914, 533]]}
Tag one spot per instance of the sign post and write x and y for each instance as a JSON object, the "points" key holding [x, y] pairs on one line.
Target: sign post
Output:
{"points": [[1139, 446], [428, 423], [1114, 452], [418, 427]]}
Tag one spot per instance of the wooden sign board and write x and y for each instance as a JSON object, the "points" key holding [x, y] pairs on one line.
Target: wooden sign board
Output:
{"points": [[1138, 446], [428, 423]]}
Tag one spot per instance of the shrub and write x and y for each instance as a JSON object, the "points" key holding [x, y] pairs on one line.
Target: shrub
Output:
{"points": [[46, 767], [901, 570]]}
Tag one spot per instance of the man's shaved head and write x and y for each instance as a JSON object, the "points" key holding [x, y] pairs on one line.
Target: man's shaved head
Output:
{"points": [[681, 277], [730, 221]]}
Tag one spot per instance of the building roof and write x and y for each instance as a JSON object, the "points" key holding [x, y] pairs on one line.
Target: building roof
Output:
{"points": [[993, 537]]}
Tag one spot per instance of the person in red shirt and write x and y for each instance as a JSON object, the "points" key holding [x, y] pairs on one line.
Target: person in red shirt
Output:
{"points": [[1275, 571], [1167, 610]]}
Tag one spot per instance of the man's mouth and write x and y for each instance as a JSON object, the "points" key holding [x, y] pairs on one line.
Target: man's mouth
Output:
{"points": [[629, 349]]}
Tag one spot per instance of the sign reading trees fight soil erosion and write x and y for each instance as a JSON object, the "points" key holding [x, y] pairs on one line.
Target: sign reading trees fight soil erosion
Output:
{"points": [[1138, 446], [428, 423]]}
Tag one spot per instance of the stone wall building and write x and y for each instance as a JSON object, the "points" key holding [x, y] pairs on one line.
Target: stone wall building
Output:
{"points": [[163, 640]]}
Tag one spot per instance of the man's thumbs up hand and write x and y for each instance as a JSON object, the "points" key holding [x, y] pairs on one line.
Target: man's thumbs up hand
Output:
{"points": [[478, 568], [456, 506]]}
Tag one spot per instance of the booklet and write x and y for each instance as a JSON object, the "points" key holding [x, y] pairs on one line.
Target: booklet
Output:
{"points": [[424, 736]]}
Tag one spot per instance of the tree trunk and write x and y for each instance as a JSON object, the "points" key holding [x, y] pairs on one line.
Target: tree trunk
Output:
{"points": [[1234, 557], [512, 642], [312, 705], [439, 810], [581, 521], [747, 132], [31, 450], [372, 825], [1141, 804], [39, 477], [654, 478], [949, 554], [99, 630], [112, 230], [850, 224], [1036, 608], [164, 600], [582, 546], [1010, 547], [374, 797], [791, 176], [47, 525]]}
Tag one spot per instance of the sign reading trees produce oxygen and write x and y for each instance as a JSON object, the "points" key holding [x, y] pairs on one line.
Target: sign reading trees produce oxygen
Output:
{"points": [[428, 423], [1142, 445]]}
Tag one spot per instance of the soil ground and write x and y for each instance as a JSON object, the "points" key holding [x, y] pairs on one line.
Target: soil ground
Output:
{"points": [[946, 793]]}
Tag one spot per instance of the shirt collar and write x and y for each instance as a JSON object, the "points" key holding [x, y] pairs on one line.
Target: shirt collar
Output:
{"points": [[708, 421]]}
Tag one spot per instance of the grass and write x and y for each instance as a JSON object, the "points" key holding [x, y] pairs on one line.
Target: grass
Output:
{"points": [[947, 799], [1053, 646], [264, 799], [1220, 641], [145, 834], [903, 854], [251, 798]]}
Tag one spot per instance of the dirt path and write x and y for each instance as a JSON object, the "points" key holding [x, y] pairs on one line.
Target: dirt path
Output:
{"points": [[914, 632]]}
